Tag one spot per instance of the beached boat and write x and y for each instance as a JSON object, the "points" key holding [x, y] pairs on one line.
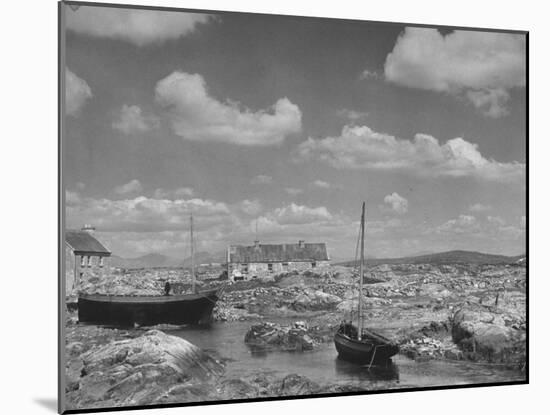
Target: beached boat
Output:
{"points": [[193, 308], [356, 343]]}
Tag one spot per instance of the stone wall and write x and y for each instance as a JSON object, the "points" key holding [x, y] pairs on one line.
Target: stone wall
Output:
{"points": [[269, 269], [87, 267]]}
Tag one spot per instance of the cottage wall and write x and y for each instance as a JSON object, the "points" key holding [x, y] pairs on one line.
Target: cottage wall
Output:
{"points": [[270, 269], [69, 271], [80, 268]]}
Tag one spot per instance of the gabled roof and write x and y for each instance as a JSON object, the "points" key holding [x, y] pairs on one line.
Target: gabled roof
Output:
{"points": [[82, 243], [278, 253]]}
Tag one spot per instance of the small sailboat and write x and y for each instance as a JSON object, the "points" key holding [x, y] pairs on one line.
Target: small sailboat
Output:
{"points": [[193, 308], [358, 344]]}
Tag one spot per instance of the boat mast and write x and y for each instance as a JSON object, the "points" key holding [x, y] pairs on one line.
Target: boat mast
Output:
{"points": [[361, 272], [192, 254]]}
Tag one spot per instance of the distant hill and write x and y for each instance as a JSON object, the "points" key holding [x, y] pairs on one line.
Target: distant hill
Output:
{"points": [[156, 260], [449, 257]]}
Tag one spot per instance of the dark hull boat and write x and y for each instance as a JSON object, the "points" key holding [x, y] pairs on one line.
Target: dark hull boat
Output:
{"points": [[360, 345], [147, 310], [372, 348]]}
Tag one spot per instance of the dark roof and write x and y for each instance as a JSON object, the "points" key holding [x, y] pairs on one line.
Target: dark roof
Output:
{"points": [[278, 253], [82, 242]]}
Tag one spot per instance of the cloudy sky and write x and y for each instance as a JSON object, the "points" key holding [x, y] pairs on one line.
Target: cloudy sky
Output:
{"points": [[287, 124]]}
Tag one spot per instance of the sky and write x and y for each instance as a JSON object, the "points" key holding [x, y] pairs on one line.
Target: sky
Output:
{"points": [[277, 128]]}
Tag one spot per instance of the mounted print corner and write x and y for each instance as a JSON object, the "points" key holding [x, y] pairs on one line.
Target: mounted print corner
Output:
{"points": [[260, 206]]}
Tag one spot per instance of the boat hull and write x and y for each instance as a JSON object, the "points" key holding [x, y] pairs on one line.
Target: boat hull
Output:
{"points": [[147, 310], [364, 352]]}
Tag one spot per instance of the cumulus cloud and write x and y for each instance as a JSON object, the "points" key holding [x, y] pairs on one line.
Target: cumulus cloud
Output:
{"points": [[77, 92], [482, 66], [133, 186], [321, 184], [131, 120], [493, 227], [479, 207], [352, 115], [195, 115], [395, 203], [143, 214], [251, 207], [293, 191], [359, 147], [261, 179], [366, 74], [462, 224], [180, 192], [139, 27]]}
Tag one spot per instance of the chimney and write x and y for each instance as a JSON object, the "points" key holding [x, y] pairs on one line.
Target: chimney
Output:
{"points": [[88, 228], [301, 243]]}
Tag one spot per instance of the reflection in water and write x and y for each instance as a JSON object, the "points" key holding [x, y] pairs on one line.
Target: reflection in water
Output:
{"points": [[226, 341], [387, 371]]}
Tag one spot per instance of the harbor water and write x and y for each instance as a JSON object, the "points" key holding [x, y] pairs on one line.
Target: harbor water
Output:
{"points": [[321, 365]]}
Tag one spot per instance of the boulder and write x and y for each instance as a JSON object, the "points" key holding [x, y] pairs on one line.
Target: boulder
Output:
{"points": [[294, 385], [484, 334], [268, 335], [139, 370], [315, 300]]}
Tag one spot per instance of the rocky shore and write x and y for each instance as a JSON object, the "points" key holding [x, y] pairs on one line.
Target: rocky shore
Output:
{"points": [[457, 312]]}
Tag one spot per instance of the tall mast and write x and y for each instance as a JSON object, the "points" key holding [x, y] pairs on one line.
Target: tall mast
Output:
{"points": [[192, 254], [361, 272]]}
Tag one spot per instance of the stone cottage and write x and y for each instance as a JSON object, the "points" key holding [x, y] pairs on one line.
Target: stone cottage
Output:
{"points": [[85, 256], [264, 260]]}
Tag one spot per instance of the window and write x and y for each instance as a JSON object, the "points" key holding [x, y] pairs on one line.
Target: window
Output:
{"points": [[313, 264], [270, 267], [285, 266], [89, 261], [100, 261], [82, 261], [245, 267]]}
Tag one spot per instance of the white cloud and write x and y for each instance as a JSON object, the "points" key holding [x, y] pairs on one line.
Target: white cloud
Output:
{"points": [[142, 214], [366, 74], [195, 115], [321, 184], [261, 179], [482, 66], [462, 224], [131, 120], [139, 27], [395, 203], [294, 214], [493, 228], [293, 191], [77, 92], [133, 186], [492, 102], [251, 207], [352, 115], [497, 220], [479, 207], [178, 193], [359, 147], [72, 198]]}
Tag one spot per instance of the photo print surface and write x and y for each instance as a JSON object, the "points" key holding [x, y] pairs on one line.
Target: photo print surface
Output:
{"points": [[261, 206]]}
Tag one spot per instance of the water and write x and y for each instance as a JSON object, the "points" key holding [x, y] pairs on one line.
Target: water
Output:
{"points": [[321, 365]]}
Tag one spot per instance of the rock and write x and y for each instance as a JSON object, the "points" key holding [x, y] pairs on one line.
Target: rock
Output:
{"points": [[139, 370], [315, 300], [274, 336], [294, 385], [484, 334]]}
